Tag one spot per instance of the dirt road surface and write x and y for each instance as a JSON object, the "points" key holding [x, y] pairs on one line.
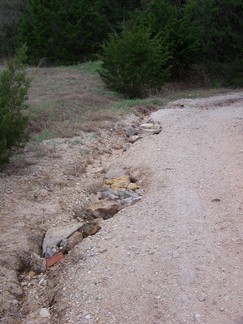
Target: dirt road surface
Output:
{"points": [[176, 256]]}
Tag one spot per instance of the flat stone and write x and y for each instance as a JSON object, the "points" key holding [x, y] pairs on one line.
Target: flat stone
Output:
{"points": [[56, 234]]}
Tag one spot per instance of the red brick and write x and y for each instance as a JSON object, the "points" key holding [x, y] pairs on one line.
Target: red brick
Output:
{"points": [[55, 259]]}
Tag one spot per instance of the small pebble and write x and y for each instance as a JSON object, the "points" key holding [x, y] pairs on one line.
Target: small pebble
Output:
{"points": [[202, 298]]}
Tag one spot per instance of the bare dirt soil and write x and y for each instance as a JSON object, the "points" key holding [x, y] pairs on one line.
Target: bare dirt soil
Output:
{"points": [[174, 257]]}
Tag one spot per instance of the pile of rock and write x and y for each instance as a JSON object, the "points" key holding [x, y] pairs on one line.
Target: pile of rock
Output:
{"points": [[151, 127], [120, 190]]}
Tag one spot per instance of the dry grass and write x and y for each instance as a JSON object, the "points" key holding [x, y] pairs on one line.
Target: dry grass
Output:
{"points": [[95, 186], [67, 100]]}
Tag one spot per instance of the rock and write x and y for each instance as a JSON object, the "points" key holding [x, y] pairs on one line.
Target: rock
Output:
{"points": [[132, 177], [133, 186], [73, 240], [115, 173], [55, 259], [147, 126], [140, 191], [55, 235], [134, 139], [37, 263], [63, 244], [130, 201], [151, 129], [202, 298], [108, 193], [44, 312], [119, 183], [105, 209], [131, 131], [31, 274], [49, 252], [128, 194], [90, 229]]}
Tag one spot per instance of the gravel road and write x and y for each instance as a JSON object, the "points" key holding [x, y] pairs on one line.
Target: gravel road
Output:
{"points": [[176, 256]]}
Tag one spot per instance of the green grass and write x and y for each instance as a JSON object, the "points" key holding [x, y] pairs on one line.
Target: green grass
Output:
{"points": [[127, 104], [90, 67]]}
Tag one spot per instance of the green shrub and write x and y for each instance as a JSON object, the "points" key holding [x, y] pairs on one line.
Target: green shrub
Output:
{"points": [[176, 30], [133, 62], [14, 85]]}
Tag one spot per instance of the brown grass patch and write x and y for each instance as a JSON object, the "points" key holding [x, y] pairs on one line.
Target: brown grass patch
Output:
{"points": [[66, 100]]}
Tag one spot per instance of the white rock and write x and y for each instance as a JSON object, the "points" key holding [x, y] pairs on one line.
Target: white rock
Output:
{"points": [[44, 312]]}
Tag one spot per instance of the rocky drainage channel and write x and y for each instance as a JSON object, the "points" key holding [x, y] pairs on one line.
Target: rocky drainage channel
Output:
{"points": [[120, 189]]}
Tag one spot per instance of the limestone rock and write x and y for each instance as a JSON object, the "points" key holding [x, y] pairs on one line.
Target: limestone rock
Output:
{"points": [[89, 229], [105, 209], [119, 183], [55, 235], [147, 126], [133, 186], [151, 129], [73, 240]]}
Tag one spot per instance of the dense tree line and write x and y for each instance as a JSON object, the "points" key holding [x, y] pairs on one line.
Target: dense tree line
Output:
{"points": [[10, 12], [195, 36]]}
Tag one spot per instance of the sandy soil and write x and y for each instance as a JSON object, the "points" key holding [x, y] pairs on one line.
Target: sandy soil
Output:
{"points": [[174, 257]]}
